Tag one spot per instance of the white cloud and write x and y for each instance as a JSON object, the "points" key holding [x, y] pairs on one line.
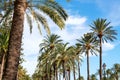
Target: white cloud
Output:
{"points": [[75, 28], [76, 20], [108, 46]]}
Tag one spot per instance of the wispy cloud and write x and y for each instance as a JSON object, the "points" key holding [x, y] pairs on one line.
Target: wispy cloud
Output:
{"points": [[76, 20], [75, 27], [108, 46]]}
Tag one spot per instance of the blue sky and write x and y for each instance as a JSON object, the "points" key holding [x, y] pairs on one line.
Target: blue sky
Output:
{"points": [[81, 15]]}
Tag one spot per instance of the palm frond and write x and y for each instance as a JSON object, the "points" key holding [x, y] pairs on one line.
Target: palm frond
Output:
{"points": [[53, 15]]}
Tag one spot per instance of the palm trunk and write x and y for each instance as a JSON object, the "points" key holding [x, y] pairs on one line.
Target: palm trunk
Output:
{"points": [[47, 77], [12, 61], [69, 73], [79, 69], [56, 73], [116, 76], [74, 71], [63, 65], [100, 59], [88, 71], [2, 66], [50, 76]]}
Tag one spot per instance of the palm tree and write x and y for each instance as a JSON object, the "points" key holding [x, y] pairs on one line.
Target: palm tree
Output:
{"points": [[77, 56], [51, 8], [104, 32], [22, 74], [108, 73], [81, 78], [78, 53], [88, 44], [64, 58], [50, 42], [93, 77], [48, 48], [116, 71]]}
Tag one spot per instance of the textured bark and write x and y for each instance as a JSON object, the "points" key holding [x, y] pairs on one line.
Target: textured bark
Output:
{"points": [[13, 55]]}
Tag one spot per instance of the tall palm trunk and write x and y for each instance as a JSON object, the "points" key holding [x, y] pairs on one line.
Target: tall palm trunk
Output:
{"points": [[47, 74], [2, 66], [50, 75], [56, 72], [79, 69], [13, 56], [69, 74], [74, 71], [117, 77], [88, 71], [63, 65], [100, 58]]}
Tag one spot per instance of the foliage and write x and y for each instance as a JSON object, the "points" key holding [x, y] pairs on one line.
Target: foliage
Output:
{"points": [[22, 74]]}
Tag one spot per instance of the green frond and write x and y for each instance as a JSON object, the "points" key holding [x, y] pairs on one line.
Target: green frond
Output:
{"points": [[43, 21], [58, 8], [35, 17], [7, 13], [29, 20], [53, 15]]}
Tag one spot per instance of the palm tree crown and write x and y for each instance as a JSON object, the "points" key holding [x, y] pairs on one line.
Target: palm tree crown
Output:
{"points": [[102, 29]]}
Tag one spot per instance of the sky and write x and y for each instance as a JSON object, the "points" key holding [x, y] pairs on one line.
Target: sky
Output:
{"points": [[81, 14]]}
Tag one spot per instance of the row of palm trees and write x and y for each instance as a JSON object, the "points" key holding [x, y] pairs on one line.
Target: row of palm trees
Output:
{"points": [[58, 58], [54, 61]]}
